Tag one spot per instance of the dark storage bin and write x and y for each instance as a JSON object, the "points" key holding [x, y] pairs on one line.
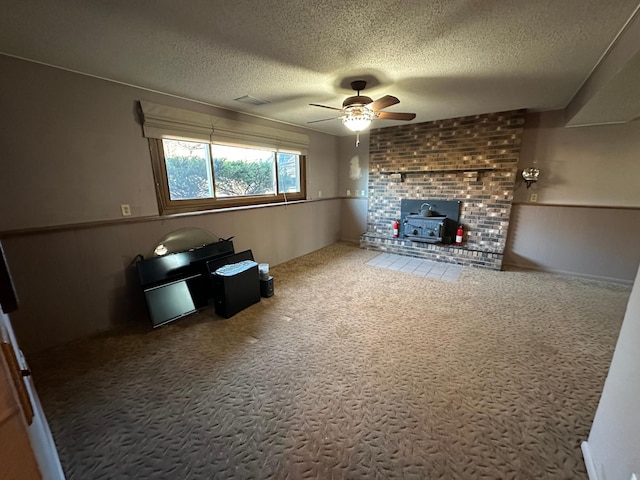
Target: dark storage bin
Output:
{"points": [[235, 286]]}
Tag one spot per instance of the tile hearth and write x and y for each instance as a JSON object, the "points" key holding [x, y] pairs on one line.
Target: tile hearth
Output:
{"points": [[447, 272]]}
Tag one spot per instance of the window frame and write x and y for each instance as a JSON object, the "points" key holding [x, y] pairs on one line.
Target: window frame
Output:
{"points": [[168, 206]]}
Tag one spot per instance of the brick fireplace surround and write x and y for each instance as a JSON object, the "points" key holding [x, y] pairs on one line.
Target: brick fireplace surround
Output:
{"points": [[472, 159]]}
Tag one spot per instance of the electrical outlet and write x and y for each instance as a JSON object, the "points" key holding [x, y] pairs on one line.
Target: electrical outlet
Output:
{"points": [[319, 193], [126, 210], [348, 193], [533, 197], [362, 193]]}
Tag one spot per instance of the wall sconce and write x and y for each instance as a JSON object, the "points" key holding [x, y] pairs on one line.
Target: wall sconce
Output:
{"points": [[530, 175]]}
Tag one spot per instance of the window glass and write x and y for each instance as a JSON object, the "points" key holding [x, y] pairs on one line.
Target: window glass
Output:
{"points": [[243, 171], [188, 167], [288, 173], [193, 176]]}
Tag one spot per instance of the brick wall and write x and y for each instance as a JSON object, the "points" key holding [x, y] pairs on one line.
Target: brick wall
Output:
{"points": [[473, 159]]}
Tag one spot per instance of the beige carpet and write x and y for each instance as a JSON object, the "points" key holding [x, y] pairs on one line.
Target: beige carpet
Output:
{"points": [[349, 371]]}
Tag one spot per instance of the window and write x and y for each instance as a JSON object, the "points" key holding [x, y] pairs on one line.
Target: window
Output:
{"points": [[193, 176], [202, 161], [188, 167]]}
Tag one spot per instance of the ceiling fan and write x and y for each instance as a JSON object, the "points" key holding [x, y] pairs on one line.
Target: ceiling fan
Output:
{"points": [[358, 111]]}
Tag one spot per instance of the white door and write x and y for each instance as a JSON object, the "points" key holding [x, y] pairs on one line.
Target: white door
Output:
{"points": [[27, 449]]}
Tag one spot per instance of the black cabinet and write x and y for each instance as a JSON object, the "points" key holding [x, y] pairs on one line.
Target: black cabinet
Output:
{"points": [[235, 287], [178, 284], [181, 283]]}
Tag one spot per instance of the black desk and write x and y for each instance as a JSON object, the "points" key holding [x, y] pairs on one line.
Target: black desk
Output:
{"points": [[178, 284]]}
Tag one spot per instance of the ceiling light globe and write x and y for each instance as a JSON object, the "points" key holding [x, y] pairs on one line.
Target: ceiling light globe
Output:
{"points": [[356, 123]]}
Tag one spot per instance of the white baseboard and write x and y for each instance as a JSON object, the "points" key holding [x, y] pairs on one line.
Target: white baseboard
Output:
{"points": [[588, 461]]}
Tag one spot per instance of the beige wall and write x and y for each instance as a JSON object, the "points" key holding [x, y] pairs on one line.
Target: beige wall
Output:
{"points": [[73, 151], [353, 180], [78, 282], [590, 242], [353, 219], [353, 166], [596, 165], [590, 167]]}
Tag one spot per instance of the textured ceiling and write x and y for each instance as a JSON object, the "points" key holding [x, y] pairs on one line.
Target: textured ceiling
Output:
{"points": [[441, 58]]}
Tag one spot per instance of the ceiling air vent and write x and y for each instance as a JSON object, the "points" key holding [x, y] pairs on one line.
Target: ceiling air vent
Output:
{"points": [[251, 100]]}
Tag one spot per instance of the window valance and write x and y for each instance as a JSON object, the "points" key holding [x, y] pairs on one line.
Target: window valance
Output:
{"points": [[161, 121]]}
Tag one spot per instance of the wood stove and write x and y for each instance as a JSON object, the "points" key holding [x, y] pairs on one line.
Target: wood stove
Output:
{"points": [[419, 228], [429, 220]]}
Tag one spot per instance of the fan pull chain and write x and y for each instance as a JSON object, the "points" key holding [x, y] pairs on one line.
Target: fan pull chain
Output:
{"points": [[357, 139]]}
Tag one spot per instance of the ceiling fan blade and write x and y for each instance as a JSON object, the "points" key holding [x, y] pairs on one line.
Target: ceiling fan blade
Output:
{"points": [[396, 116], [323, 120], [324, 106], [383, 102]]}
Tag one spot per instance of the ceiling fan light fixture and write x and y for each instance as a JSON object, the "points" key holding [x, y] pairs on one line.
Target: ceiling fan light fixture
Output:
{"points": [[358, 120], [358, 111], [356, 123]]}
